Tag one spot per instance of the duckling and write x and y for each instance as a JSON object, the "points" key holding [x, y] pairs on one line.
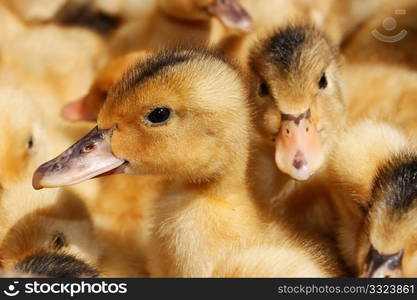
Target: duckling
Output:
{"points": [[297, 100], [296, 83], [28, 220], [208, 212], [180, 21], [87, 108], [374, 188], [23, 136], [65, 58]]}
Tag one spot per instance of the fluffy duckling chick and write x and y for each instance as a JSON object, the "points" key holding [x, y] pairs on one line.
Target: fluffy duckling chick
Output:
{"points": [[65, 58], [296, 85], [87, 108], [23, 136], [375, 188], [180, 21], [158, 111], [27, 225]]}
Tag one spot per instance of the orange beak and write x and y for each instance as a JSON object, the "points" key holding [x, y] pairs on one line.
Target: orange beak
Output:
{"points": [[298, 147]]}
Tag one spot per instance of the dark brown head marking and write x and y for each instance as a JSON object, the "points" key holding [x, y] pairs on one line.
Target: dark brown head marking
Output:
{"points": [[296, 119], [397, 183], [144, 70], [281, 47], [56, 265]]}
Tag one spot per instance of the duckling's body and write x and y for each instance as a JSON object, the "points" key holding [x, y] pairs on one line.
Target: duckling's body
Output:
{"points": [[209, 211]]}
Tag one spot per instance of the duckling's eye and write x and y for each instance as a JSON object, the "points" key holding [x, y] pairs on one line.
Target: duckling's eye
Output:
{"points": [[263, 90], [30, 143], [158, 116], [323, 82], [103, 94]]}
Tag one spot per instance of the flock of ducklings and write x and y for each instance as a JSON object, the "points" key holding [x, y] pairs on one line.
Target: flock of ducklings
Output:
{"points": [[251, 138]]}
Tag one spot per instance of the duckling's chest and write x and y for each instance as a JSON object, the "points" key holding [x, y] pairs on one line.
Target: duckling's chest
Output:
{"points": [[190, 235]]}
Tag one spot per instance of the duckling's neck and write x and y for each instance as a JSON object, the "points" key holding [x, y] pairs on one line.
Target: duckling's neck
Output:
{"points": [[200, 222], [231, 180]]}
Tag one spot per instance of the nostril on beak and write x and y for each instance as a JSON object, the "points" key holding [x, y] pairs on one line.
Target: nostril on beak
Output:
{"points": [[299, 161], [1, 188]]}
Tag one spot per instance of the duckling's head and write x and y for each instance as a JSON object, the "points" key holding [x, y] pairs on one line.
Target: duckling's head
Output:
{"points": [[296, 85], [181, 114], [229, 12], [23, 137], [87, 108], [391, 247]]}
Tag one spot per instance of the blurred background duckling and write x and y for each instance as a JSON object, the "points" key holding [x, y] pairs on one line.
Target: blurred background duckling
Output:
{"points": [[374, 185], [27, 226], [208, 212], [174, 22], [65, 58], [28, 130]]}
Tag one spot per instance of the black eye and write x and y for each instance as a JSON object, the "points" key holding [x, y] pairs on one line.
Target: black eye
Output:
{"points": [[103, 95], [263, 90], [323, 82], [30, 143], [158, 116]]}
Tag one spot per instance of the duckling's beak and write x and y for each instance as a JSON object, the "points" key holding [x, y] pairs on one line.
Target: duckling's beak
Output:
{"points": [[88, 158], [298, 146], [78, 111], [231, 14], [384, 266]]}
